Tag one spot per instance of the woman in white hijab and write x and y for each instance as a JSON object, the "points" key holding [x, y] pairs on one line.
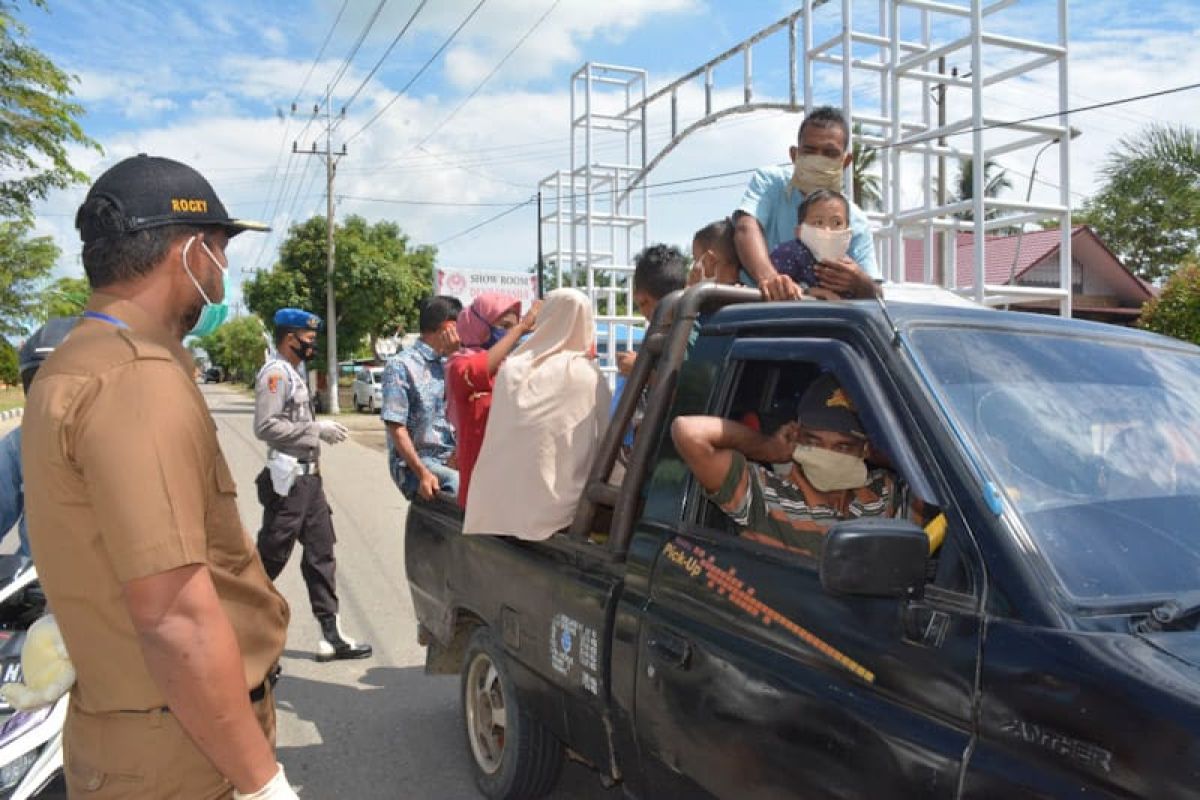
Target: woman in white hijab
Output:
{"points": [[549, 408]]}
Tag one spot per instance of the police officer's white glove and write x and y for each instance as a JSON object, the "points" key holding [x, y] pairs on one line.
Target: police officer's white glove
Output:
{"points": [[277, 788], [332, 432]]}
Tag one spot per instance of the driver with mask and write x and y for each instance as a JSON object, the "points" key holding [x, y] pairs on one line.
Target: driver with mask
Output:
{"points": [[819, 475]]}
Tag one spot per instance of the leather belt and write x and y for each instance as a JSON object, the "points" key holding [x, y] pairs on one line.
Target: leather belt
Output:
{"points": [[257, 694]]}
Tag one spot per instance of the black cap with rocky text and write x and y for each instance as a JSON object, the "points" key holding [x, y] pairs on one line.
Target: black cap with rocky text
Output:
{"points": [[151, 191]]}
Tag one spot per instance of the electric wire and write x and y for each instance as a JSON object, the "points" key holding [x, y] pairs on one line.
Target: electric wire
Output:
{"points": [[320, 52], [362, 37], [412, 17], [499, 65], [419, 73]]}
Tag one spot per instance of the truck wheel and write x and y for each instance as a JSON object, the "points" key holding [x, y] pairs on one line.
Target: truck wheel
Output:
{"points": [[515, 757]]}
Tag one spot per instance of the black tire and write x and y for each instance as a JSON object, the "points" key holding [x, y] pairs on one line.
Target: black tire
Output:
{"points": [[517, 759], [370, 404]]}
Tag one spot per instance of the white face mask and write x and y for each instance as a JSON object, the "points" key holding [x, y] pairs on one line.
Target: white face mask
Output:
{"points": [[828, 471], [826, 245]]}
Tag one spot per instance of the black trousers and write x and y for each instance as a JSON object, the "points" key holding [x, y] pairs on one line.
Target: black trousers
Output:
{"points": [[304, 516]]}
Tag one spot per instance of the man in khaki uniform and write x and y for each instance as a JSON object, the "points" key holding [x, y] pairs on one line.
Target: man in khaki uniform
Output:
{"points": [[170, 620]]}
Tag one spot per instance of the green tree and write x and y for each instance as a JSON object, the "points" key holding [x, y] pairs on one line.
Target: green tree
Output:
{"points": [[1176, 310], [578, 278], [24, 264], [1148, 209], [995, 181], [66, 297], [378, 280], [38, 120], [239, 346], [866, 182], [10, 372]]}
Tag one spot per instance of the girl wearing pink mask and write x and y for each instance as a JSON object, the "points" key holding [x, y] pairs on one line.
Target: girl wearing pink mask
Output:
{"points": [[489, 330]]}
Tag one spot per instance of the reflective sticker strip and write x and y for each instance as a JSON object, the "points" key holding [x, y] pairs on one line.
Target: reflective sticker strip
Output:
{"points": [[693, 559]]}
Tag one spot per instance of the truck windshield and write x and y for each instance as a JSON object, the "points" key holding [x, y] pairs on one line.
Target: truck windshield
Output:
{"points": [[1096, 445]]}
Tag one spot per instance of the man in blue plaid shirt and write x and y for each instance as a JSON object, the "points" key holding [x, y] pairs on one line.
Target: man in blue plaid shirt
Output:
{"points": [[420, 438]]}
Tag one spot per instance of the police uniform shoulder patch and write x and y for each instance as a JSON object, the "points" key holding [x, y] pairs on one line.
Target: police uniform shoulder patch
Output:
{"points": [[273, 382]]}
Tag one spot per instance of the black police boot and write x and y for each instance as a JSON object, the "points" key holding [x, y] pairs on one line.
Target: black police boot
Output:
{"points": [[335, 645]]}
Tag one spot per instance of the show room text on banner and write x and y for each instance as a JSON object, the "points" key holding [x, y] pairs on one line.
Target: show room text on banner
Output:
{"points": [[467, 284]]}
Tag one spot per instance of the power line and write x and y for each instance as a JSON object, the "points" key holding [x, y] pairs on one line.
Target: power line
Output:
{"points": [[408, 202], [354, 50], [490, 75], [320, 53], [420, 72], [287, 124], [1051, 115], [487, 221], [386, 53]]}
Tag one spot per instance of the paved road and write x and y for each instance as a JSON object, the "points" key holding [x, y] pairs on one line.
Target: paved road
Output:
{"points": [[377, 728]]}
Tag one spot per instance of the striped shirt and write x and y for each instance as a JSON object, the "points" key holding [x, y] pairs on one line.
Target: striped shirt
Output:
{"points": [[789, 512]]}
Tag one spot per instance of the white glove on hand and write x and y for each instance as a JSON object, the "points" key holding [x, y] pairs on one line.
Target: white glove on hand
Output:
{"points": [[332, 432], [277, 788]]}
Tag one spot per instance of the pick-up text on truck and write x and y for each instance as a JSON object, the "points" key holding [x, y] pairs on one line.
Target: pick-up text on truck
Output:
{"points": [[1047, 647]]}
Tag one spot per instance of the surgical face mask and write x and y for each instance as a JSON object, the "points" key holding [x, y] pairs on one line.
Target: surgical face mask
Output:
{"points": [[829, 471], [826, 245], [213, 315], [812, 172], [495, 336]]}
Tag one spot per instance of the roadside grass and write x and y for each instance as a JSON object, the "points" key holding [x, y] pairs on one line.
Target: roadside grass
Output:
{"points": [[11, 397]]}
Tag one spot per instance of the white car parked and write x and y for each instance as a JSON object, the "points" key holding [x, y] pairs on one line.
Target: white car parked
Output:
{"points": [[368, 389]]}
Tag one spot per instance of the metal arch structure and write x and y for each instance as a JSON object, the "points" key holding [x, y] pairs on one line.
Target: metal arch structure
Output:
{"points": [[885, 55]]}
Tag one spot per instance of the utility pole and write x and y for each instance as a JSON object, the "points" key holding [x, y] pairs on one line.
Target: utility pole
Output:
{"points": [[541, 261], [940, 238], [330, 158]]}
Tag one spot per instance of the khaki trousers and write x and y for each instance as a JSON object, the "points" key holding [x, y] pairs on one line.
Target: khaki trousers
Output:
{"points": [[143, 754]]}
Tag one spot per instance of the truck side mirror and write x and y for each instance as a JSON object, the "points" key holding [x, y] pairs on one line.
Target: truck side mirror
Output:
{"points": [[877, 557]]}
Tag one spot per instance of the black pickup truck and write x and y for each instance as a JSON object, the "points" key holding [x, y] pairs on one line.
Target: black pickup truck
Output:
{"points": [[1047, 648]]}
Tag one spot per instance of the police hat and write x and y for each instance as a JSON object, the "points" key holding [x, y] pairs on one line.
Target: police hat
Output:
{"points": [[297, 318], [825, 406], [150, 192]]}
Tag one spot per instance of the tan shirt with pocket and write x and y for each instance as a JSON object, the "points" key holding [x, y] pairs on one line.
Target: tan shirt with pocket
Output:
{"points": [[124, 478]]}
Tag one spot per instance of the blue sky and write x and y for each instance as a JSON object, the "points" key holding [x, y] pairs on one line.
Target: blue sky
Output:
{"points": [[211, 83]]}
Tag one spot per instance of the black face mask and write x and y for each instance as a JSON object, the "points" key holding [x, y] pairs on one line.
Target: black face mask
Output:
{"points": [[304, 351]]}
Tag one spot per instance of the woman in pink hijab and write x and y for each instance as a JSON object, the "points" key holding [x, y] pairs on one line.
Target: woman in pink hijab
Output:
{"points": [[489, 329], [550, 408]]}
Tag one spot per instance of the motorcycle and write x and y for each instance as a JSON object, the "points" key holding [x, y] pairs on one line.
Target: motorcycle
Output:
{"points": [[31, 752]]}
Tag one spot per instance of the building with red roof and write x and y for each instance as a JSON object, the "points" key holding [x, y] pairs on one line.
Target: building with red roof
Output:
{"points": [[1102, 289]]}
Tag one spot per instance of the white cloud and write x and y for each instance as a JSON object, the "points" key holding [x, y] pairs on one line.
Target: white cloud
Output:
{"points": [[510, 136], [275, 38], [556, 43]]}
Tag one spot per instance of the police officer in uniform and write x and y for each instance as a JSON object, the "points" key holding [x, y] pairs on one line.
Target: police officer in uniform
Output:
{"points": [[171, 622], [289, 487]]}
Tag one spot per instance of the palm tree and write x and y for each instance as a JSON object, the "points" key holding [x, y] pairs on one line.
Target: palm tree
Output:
{"points": [[1148, 209], [866, 183], [995, 181]]}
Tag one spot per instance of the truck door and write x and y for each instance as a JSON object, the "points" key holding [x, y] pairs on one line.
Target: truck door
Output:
{"points": [[753, 682]]}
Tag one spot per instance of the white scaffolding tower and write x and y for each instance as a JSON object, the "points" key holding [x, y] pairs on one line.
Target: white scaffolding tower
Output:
{"points": [[886, 55]]}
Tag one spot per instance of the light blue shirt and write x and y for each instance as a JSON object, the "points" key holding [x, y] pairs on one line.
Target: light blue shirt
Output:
{"points": [[773, 201], [12, 489]]}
